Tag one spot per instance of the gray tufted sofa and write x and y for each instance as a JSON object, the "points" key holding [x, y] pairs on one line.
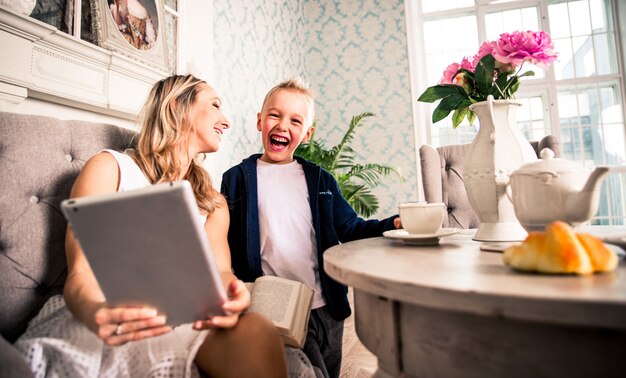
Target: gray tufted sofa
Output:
{"points": [[40, 158], [442, 178]]}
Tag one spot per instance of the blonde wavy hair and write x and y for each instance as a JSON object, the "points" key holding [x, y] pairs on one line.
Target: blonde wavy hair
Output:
{"points": [[166, 123]]}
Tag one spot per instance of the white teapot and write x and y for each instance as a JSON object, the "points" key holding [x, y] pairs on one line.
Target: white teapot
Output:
{"points": [[553, 189]]}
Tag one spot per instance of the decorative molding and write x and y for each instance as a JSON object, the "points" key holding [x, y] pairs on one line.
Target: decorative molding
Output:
{"points": [[12, 94], [62, 74], [56, 67]]}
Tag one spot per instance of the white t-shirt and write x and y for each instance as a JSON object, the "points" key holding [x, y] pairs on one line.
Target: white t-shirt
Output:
{"points": [[288, 245]]}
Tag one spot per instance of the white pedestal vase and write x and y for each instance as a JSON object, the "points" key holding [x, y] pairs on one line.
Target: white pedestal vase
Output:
{"points": [[498, 149]]}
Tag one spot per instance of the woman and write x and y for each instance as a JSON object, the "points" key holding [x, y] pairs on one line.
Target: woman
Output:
{"points": [[181, 121]]}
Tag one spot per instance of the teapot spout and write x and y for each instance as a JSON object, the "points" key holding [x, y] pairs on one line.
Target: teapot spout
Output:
{"points": [[582, 205], [595, 179]]}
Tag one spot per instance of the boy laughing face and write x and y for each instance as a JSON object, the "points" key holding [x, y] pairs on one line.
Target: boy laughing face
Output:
{"points": [[284, 122]]}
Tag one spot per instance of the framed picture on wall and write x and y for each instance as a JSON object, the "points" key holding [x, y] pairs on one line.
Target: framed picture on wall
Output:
{"points": [[134, 28]]}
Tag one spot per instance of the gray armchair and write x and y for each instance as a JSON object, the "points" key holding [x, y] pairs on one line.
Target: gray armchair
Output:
{"points": [[442, 179], [39, 159]]}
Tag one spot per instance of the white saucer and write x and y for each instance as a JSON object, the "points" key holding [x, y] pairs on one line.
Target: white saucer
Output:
{"points": [[420, 239]]}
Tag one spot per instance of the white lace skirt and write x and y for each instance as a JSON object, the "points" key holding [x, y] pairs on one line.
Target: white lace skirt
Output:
{"points": [[57, 345]]}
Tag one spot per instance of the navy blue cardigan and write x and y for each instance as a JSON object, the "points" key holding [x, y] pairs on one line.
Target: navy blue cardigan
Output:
{"points": [[334, 222]]}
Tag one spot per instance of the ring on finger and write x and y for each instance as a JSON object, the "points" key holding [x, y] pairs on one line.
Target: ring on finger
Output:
{"points": [[118, 329]]}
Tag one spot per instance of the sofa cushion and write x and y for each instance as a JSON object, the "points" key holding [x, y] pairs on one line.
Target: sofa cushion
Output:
{"points": [[12, 363], [40, 158]]}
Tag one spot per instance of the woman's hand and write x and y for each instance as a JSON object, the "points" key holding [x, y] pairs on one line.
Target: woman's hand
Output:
{"points": [[238, 301], [117, 326]]}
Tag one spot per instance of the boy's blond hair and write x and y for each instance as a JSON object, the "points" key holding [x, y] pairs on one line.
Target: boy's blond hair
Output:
{"points": [[294, 84]]}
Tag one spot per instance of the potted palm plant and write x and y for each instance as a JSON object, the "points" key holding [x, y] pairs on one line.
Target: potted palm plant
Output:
{"points": [[355, 180]]}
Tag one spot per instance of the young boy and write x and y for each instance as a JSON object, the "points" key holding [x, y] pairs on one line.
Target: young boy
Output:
{"points": [[285, 213]]}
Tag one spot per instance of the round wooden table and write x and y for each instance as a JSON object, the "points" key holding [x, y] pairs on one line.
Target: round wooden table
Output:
{"points": [[452, 310]]}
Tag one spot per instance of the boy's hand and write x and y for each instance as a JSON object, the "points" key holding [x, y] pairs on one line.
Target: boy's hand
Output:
{"points": [[397, 223], [238, 301]]}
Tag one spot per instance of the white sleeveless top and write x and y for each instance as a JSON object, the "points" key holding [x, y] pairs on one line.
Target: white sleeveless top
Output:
{"points": [[288, 244], [131, 176]]}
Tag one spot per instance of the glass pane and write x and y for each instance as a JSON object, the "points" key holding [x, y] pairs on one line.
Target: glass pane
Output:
{"points": [[172, 4], [465, 43], [564, 66], [589, 109], [443, 49], [171, 35], [533, 118], [444, 134], [606, 54], [614, 143], [600, 22], [584, 57], [569, 143], [440, 5], [612, 120], [511, 20], [580, 20], [611, 108], [559, 24]]}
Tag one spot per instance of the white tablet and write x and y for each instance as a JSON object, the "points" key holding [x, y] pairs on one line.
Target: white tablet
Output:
{"points": [[149, 247]]}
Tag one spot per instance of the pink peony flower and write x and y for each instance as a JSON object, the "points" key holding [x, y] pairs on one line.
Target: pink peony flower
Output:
{"points": [[484, 49], [518, 47], [466, 64], [450, 73]]}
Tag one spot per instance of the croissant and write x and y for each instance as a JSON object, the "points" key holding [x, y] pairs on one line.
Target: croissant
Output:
{"points": [[560, 250]]}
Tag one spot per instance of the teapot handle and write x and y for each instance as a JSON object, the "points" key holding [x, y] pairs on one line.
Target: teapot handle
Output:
{"points": [[509, 192]]}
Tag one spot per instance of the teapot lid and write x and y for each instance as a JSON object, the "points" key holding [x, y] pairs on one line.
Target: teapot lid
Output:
{"points": [[549, 163]]}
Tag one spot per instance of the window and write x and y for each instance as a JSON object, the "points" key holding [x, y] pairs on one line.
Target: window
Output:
{"points": [[579, 99]]}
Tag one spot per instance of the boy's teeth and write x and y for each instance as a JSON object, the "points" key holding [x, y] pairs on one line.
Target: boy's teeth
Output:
{"points": [[282, 141]]}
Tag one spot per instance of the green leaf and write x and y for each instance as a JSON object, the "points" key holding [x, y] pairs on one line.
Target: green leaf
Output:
{"points": [[471, 117], [484, 74], [454, 101], [512, 86], [458, 116], [527, 73], [361, 199], [372, 173], [439, 114], [440, 91]]}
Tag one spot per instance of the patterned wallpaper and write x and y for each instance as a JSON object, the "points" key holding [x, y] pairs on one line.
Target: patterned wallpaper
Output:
{"points": [[354, 54], [357, 61]]}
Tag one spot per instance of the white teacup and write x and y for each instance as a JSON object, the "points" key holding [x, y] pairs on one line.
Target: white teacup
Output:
{"points": [[421, 217]]}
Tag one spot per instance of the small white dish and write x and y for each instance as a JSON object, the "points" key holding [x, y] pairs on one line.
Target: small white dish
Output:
{"points": [[420, 239]]}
